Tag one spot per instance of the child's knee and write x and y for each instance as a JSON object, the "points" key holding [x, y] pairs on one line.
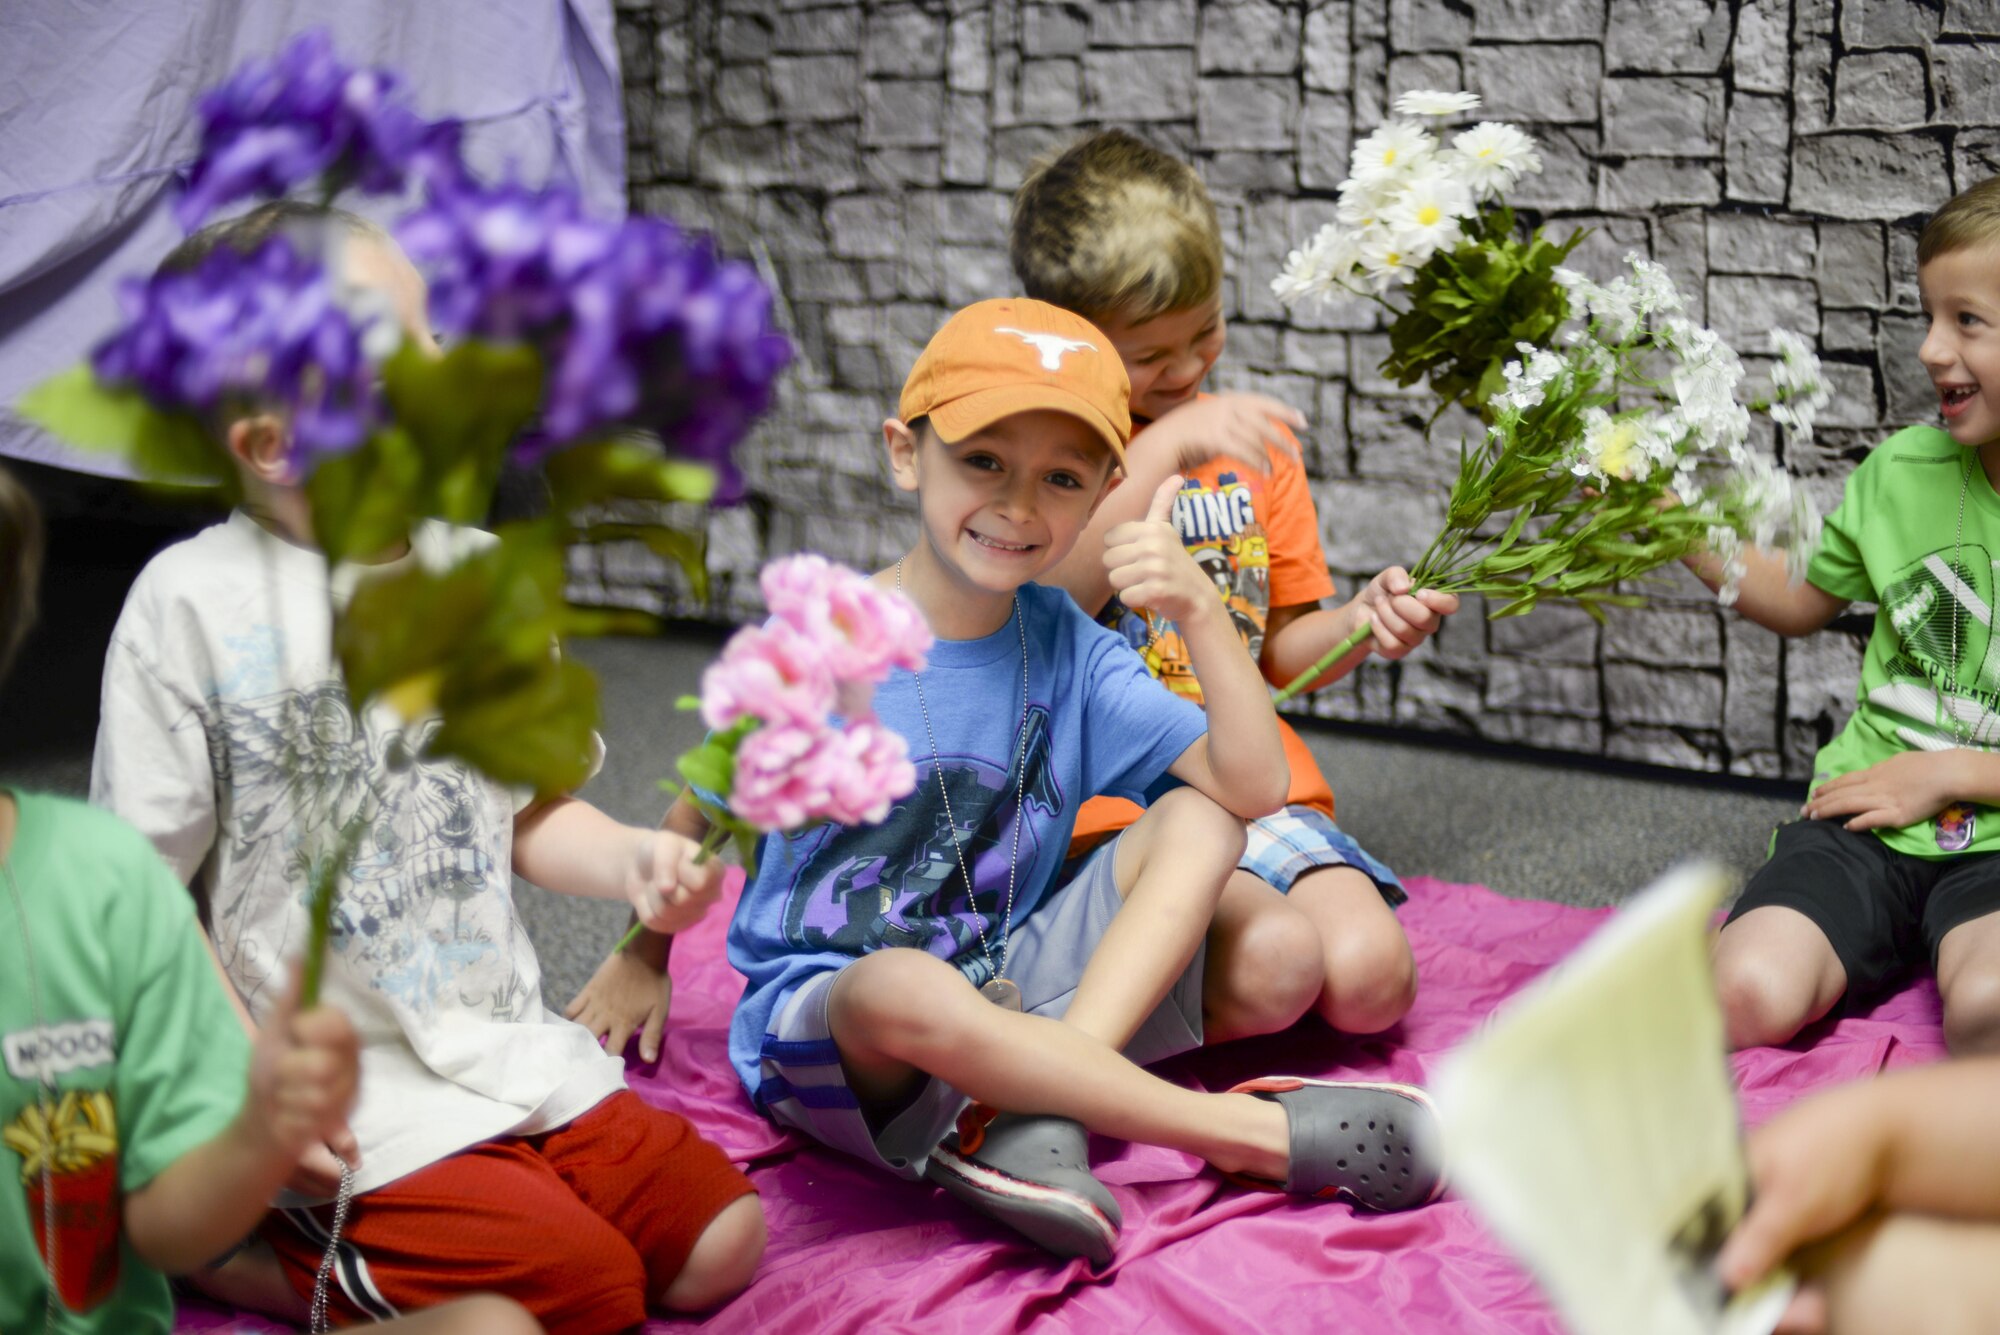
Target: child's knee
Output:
{"points": [[899, 1002], [1972, 1012], [724, 1258], [1371, 981], [1761, 1005], [1264, 974]]}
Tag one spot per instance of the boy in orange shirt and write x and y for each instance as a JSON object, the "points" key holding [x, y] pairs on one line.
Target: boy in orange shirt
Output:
{"points": [[1126, 236]]}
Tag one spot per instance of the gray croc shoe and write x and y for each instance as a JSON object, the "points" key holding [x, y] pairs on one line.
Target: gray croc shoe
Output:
{"points": [[1032, 1174], [1376, 1144]]}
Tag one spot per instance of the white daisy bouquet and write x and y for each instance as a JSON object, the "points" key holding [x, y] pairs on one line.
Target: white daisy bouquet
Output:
{"points": [[1623, 446], [1424, 229]]}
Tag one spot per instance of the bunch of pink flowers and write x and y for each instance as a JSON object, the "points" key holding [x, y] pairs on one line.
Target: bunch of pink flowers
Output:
{"points": [[808, 676]]}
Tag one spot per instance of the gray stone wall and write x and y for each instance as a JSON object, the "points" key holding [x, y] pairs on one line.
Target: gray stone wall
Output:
{"points": [[1776, 155]]}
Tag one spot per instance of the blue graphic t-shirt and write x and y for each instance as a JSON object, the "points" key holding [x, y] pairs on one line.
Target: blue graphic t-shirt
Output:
{"points": [[1097, 723]]}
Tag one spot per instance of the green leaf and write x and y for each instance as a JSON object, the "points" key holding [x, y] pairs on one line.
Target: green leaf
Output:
{"points": [[623, 469], [363, 501], [171, 448], [527, 725], [462, 410]]}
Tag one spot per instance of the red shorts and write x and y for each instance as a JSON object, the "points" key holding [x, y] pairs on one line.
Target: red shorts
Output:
{"points": [[584, 1225]]}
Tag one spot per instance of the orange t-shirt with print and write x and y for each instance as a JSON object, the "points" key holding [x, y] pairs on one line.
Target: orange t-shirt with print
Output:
{"points": [[1257, 537]]}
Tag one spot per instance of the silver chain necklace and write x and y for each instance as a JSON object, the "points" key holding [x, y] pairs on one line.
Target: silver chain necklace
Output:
{"points": [[998, 988]]}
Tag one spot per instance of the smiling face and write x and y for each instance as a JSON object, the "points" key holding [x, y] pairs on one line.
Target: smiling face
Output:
{"points": [[1961, 297], [1003, 504], [1168, 356]]}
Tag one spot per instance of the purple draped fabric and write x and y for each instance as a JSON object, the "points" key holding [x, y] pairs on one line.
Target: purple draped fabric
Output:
{"points": [[97, 127], [854, 1250]]}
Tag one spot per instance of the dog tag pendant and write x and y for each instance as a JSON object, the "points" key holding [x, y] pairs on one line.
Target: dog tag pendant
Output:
{"points": [[1002, 992]]}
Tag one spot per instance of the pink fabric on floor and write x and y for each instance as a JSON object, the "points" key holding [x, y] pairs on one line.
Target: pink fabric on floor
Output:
{"points": [[851, 1250]]}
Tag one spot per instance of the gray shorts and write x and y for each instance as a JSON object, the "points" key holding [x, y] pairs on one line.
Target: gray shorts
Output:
{"points": [[1049, 950]]}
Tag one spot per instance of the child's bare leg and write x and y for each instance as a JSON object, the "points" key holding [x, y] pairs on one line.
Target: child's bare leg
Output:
{"points": [[1968, 970], [1370, 974], [724, 1258], [1265, 963], [1171, 866], [899, 1013], [1776, 973], [486, 1314], [1913, 1273], [253, 1279]]}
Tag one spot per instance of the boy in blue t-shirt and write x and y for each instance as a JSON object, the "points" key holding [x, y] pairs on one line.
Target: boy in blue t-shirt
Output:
{"points": [[882, 996]]}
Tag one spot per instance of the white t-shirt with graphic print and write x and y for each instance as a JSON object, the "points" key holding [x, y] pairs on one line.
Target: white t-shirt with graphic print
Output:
{"points": [[226, 737]]}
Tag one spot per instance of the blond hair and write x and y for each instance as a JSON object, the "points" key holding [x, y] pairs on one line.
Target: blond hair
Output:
{"points": [[20, 565], [1971, 218], [1112, 226]]}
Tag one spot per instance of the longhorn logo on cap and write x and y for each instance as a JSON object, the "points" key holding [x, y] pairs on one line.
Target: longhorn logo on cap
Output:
{"points": [[1051, 346]]}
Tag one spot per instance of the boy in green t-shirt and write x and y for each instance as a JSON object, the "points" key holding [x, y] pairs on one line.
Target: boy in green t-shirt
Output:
{"points": [[1893, 864], [140, 1132]]}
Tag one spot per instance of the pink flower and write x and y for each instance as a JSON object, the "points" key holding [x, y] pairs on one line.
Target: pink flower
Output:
{"points": [[788, 776], [861, 631], [771, 672]]}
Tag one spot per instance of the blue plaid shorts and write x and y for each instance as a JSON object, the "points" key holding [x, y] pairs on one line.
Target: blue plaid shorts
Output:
{"points": [[1287, 844]]}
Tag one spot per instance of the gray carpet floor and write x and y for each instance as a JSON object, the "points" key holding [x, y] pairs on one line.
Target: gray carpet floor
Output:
{"points": [[1528, 826]]}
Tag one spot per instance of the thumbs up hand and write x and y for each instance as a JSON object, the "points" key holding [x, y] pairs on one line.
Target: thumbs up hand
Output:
{"points": [[1149, 567]]}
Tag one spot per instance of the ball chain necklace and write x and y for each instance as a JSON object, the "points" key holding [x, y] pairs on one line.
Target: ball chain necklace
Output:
{"points": [[998, 988]]}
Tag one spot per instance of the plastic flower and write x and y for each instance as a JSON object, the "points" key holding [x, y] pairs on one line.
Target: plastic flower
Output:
{"points": [[1427, 215], [1430, 102], [638, 323], [875, 773], [772, 672], [1492, 155], [788, 777], [1527, 381], [857, 631], [1390, 153], [1385, 259], [252, 330], [278, 124], [1317, 268], [1798, 385]]}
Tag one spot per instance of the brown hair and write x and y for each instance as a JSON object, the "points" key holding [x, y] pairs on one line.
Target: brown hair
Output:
{"points": [[1113, 226], [296, 219], [1971, 218], [20, 565]]}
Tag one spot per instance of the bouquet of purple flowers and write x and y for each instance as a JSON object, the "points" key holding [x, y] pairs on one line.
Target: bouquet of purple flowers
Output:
{"points": [[623, 358]]}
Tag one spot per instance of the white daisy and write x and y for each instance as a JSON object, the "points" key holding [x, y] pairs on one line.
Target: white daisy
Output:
{"points": [[1431, 102], [1390, 153], [1429, 211], [1385, 260], [1492, 155], [1317, 268]]}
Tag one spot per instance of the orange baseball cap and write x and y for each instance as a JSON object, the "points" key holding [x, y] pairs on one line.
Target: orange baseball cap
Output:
{"points": [[997, 358]]}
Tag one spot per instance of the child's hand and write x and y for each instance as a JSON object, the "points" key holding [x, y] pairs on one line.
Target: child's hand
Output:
{"points": [[1814, 1169], [304, 1072], [667, 888], [1242, 427], [1399, 618], [626, 993], [1907, 787], [1150, 568]]}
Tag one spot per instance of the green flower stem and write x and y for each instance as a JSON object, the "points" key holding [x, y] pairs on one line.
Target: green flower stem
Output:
{"points": [[1332, 656], [320, 913], [710, 843]]}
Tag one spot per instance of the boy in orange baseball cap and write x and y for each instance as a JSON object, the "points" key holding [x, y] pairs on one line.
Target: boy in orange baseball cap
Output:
{"points": [[939, 994]]}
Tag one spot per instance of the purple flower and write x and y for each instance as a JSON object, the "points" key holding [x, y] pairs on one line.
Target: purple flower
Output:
{"points": [[278, 124], [258, 329], [638, 324]]}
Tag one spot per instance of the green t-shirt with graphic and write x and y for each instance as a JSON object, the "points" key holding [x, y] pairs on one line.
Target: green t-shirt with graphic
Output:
{"points": [[1931, 676], [147, 1058]]}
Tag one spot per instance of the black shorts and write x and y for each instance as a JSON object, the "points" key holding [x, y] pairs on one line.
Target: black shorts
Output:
{"points": [[1884, 912]]}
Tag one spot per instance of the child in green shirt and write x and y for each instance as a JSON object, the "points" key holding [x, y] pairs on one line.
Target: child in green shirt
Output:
{"points": [[1893, 865]]}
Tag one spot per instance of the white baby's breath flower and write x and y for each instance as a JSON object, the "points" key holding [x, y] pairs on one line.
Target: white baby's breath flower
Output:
{"points": [[1391, 153], [1652, 287], [1528, 380], [1492, 155], [1705, 381], [1431, 102], [1625, 448], [1798, 385]]}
